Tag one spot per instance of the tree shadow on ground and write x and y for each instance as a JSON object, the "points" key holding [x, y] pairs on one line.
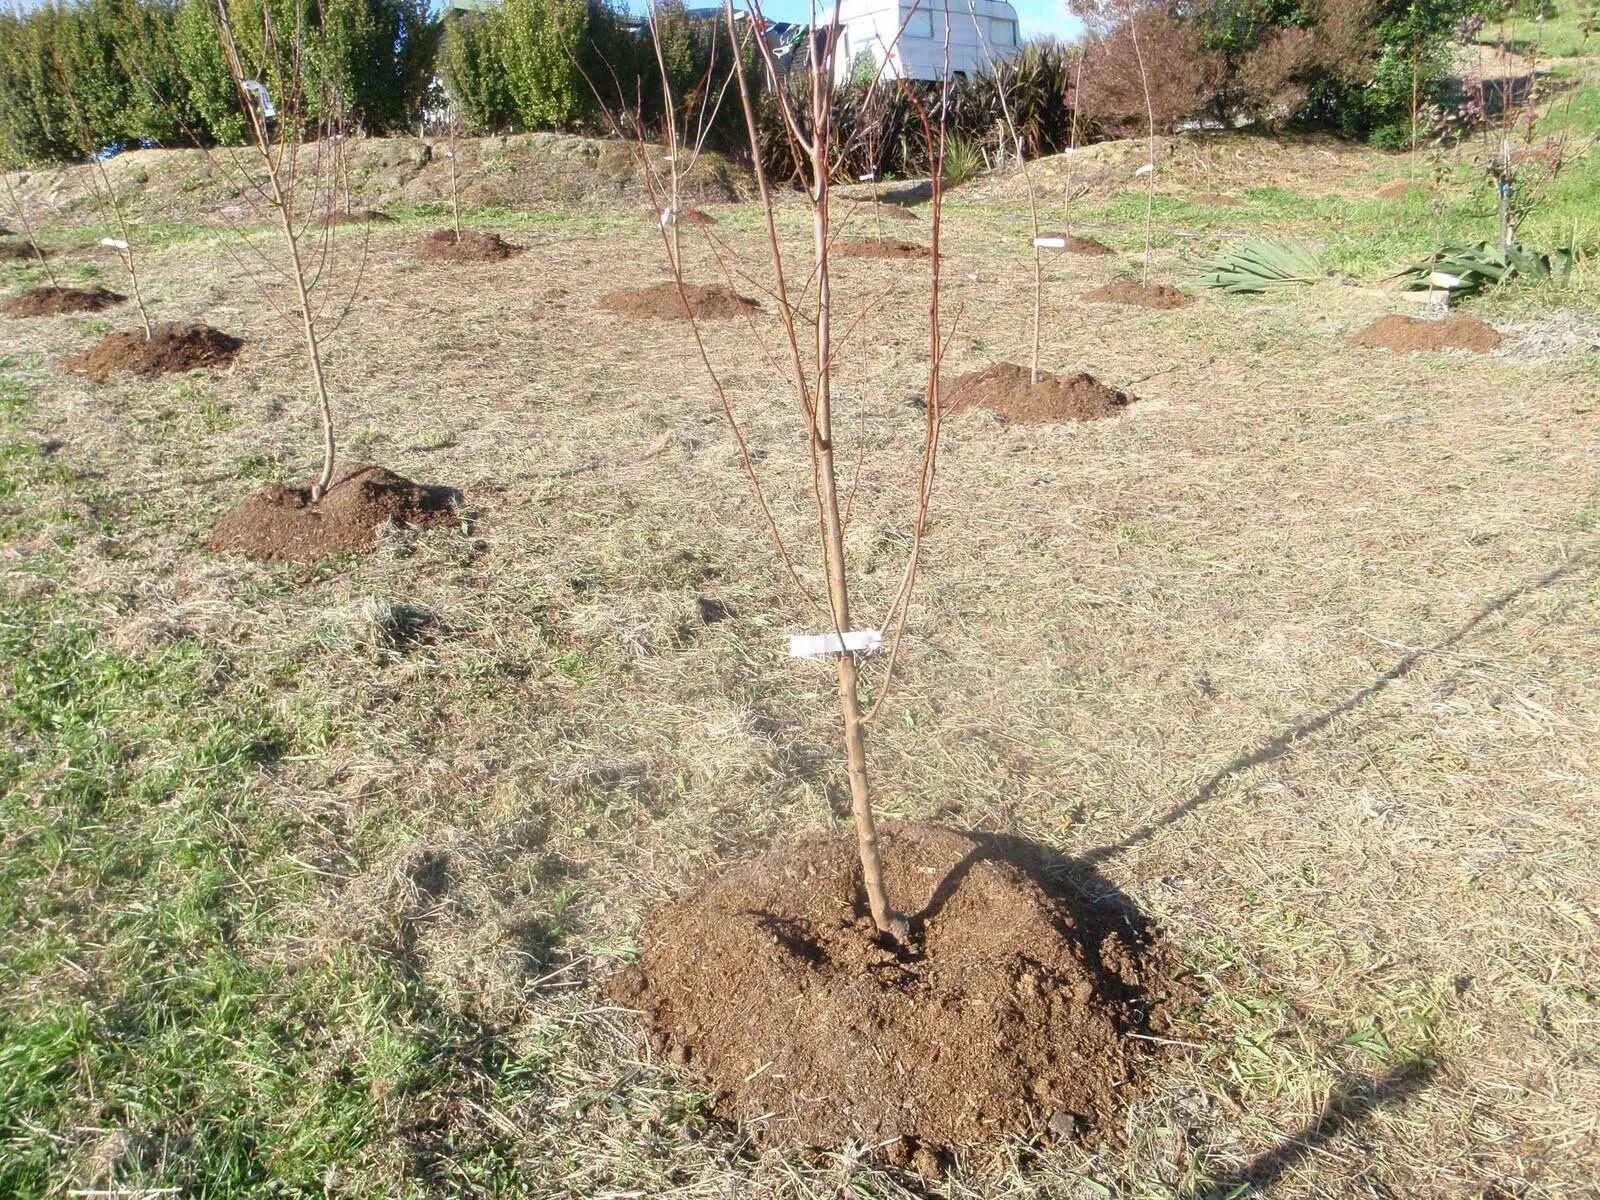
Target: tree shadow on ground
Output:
{"points": [[1352, 1102], [1282, 742]]}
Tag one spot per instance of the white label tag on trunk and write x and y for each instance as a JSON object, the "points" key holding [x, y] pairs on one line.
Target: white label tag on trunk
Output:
{"points": [[1050, 243], [810, 645], [667, 217]]}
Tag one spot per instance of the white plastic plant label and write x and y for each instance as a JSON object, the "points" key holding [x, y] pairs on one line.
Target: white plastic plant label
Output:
{"points": [[810, 645], [1050, 243], [259, 90], [114, 243], [1146, 169], [867, 178], [666, 217]]}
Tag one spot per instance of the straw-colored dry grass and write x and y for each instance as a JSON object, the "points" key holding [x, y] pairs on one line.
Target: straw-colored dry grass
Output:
{"points": [[1300, 657]]}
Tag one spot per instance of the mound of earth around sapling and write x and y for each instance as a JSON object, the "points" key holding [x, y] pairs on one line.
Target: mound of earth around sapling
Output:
{"points": [[1087, 246], [1009, 391], [1455, 332], [474, 245], [879, 247], [17, 251], [172, 347], [1009, 1014], [282, 524], [706, 302], [359, 216], [1125, 289], [54, 301], [1216, 200]]}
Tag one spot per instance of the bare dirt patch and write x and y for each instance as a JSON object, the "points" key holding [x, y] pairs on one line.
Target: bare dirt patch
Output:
{"points": [[1008, 390], [877, 247], [1394, 189], [710, 302], [359, 216], [1010, 1014], [1125, 289], [54, 301], [172, 347], [1216, 200], [1455, 332], [281, 524], [474, 245]]}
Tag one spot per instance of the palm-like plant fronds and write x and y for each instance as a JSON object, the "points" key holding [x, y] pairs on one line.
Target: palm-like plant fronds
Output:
{"points": [[1465, 270], [1260, 266]]}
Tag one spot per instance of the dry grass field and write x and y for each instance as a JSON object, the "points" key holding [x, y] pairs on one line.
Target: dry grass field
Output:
{"points": [[309, 875]]}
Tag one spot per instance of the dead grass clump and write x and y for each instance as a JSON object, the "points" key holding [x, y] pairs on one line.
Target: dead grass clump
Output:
{"points": [[55, 301], [453, 911], [473, 245], [17, 251], [171, 348], [710, 302], [1010, 392], [1125, 289], [1400, 333]]}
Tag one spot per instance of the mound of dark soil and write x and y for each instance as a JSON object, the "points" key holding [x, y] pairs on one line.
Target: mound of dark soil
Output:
{"points": [[1085, 245], [281, 524], [709, 302], [360, 216], [877, 247], [474, 246], [1010, 1013], [1124, 289], [171, 347], [689, 216], [1455, 332], [53, 301], [1007, 389], [1216, 200], [898, 211], [17, 251]]}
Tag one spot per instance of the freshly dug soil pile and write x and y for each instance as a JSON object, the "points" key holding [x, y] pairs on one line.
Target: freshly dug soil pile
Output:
{"points": [[1216, 200], [689, 216], [1124, 289], [1006, 389], [1010, 1014], [709, 302], [53, 301], [172, 347], [898, 211], [1455, 332], [475, 246], [14, 251], [1396, 188], [281, 524], [876, 247], [360, 216], [1086, 246]]}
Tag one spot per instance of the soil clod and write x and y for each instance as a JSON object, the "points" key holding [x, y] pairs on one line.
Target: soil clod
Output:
{"points": [[1014, 1004], [709, 302], [17, 251], [281, 524], [172, 347], [54, 301], [1455, 332], [1009, 391], [1087, 246], [1125, 289], [474, 245], [879, 247]]}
